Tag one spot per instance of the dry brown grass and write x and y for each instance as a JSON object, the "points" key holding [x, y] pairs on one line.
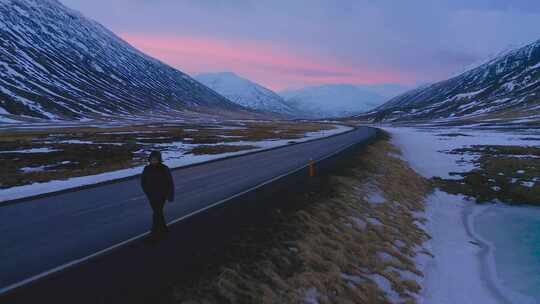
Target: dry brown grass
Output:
{"points": [[334, 245]]}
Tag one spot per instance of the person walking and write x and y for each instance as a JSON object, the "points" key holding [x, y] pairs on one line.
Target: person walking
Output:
{"points": [[158, 185]]}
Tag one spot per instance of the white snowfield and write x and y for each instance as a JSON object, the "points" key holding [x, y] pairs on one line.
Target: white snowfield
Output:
{"points": [[5, 120], [333, 100], [462, 270], [173, 157], [245, 92]]}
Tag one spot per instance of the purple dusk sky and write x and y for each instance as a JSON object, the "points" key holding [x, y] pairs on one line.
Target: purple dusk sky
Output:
{"points": [[293, 43]]}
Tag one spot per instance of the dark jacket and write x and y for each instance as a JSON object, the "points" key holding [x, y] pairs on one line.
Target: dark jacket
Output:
{"points": [[157, 183]]}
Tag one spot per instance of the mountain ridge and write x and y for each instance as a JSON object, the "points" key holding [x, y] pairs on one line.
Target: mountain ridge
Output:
{"points": [[245, 92], [57, 64], [332, 100], [509, 82]]}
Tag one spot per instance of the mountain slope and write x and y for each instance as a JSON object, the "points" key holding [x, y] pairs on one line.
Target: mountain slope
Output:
{"points": [[509, 83], [332, 100], [245, 92], [56, 64]]}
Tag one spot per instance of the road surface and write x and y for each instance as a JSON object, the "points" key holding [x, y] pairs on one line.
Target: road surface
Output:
{"points": [[46, 235]]}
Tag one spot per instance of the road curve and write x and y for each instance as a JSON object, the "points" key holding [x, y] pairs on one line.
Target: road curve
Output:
{"points": [[45, 235]]}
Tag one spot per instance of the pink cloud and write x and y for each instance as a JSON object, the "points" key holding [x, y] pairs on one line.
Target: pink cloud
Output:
{"points": [[269, 64]]}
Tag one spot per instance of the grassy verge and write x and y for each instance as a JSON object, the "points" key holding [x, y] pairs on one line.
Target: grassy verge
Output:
{"points": [[336, 248], [506, 173]]}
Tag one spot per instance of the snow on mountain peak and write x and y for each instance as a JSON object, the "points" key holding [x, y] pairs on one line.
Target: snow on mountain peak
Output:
{"points": [[333, 100], [57, 64], [245, 92], [509, 81]]}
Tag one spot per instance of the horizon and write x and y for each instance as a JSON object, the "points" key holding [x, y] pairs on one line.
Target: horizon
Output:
{"points": [[284, 46], [360, 86]]}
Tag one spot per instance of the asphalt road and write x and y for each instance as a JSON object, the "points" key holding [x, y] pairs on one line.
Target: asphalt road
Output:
{"points": [[45, 235]]}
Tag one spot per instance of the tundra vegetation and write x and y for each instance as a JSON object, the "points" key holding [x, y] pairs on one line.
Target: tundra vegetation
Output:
{"points": [[510, 174], [40, 155]]}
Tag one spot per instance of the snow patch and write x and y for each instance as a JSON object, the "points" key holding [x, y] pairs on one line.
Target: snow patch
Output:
{"points": [[33, 150], [375, 197], [311, 296]]}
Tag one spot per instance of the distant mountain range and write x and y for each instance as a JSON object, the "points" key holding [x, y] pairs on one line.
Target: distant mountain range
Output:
{"points": [[386, 90], [332, 100], [505, 86], [245, 92], [57, 64]]}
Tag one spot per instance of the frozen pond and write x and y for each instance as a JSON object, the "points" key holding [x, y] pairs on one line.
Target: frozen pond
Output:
{"points": [[514, 236]]}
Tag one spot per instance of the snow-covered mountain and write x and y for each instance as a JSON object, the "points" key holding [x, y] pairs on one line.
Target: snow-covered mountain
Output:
{"points": [[245, 92], [332, 100], [386, 90], [508, 84], [57, 64]]}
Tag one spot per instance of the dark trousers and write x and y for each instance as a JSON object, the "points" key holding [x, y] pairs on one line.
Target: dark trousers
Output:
{"points": [[158, 225]]}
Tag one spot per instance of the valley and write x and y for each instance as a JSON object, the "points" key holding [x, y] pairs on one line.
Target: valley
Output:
{"points": [[312, 162]]}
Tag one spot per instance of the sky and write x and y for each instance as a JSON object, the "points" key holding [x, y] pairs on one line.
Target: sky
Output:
{"points": [[294, 43]]}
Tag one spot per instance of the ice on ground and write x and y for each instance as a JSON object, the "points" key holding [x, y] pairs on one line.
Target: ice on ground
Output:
{"points": [[424, 147], [375, 197], [33, 169], [459, 271], [454, 274], [159, 137], [57, 185], [385, 257], [76, 141], [405, 274], [374, 221], [230, 136], [8, 120], [511, 234], [352, 279], [311, 296], [360, 223], [130, 132], [426, 152], [385, 285], [399, 243], [528, 184], [33, 150]]}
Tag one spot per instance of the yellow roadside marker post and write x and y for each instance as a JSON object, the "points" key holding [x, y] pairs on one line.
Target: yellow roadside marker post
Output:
{"points": [[311, 168]]}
